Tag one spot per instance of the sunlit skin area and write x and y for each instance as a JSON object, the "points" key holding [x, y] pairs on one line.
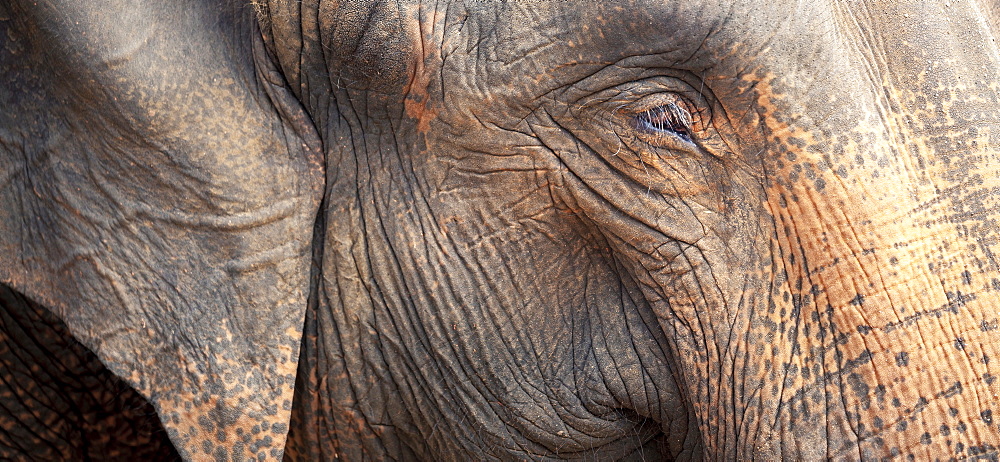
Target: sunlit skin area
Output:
{"points": [[522, 230]]}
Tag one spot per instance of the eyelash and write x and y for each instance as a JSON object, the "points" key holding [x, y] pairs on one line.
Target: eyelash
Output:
{"points": [[671, 118]]}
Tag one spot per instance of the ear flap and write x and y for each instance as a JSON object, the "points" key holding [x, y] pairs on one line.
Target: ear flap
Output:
{"points": [[158, 194]]}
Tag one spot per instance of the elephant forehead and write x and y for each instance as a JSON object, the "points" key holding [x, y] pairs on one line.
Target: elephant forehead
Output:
{"points": [[523, 49], [386, 47]]}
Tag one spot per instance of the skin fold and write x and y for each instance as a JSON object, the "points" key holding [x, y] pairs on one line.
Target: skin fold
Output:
{"points": [[502, 230]]}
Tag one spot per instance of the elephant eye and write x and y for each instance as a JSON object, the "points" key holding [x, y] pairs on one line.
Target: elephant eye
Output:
{"points": [[667, 120], [672, 119]]}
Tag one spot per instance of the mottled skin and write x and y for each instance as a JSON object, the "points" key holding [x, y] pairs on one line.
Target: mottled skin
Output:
{"points": [[522, 230]]}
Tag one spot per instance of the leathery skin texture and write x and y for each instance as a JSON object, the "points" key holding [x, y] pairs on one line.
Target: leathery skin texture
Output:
{"points": [[536, 230]]}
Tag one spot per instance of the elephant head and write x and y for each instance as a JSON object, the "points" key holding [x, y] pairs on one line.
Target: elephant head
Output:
{"points": [[510, 230]]}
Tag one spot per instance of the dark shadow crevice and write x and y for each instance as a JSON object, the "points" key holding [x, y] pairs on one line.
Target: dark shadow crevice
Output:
{"points": [[59, 402]]}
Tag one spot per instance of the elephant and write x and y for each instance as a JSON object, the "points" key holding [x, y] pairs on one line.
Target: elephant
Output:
{"points": [[499, 230]]}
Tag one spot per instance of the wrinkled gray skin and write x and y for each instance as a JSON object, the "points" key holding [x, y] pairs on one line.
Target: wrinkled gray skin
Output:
{"points": [[522, 230]]}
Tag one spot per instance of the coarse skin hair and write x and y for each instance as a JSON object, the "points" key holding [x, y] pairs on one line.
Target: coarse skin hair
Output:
{"points": [[261, 9]]}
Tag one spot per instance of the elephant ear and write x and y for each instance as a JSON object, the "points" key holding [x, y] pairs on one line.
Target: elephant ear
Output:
{"points": [[158, 192]]}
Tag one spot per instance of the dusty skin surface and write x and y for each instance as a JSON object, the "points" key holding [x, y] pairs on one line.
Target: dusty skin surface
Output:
{"points": [[517, 231]]}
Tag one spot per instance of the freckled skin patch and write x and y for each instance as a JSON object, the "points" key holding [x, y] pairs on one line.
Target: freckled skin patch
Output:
{"points": [[487, 247]]}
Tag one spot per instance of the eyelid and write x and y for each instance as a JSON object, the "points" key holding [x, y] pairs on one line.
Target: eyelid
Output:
{"points": [[671, 118], [680, 120]]}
